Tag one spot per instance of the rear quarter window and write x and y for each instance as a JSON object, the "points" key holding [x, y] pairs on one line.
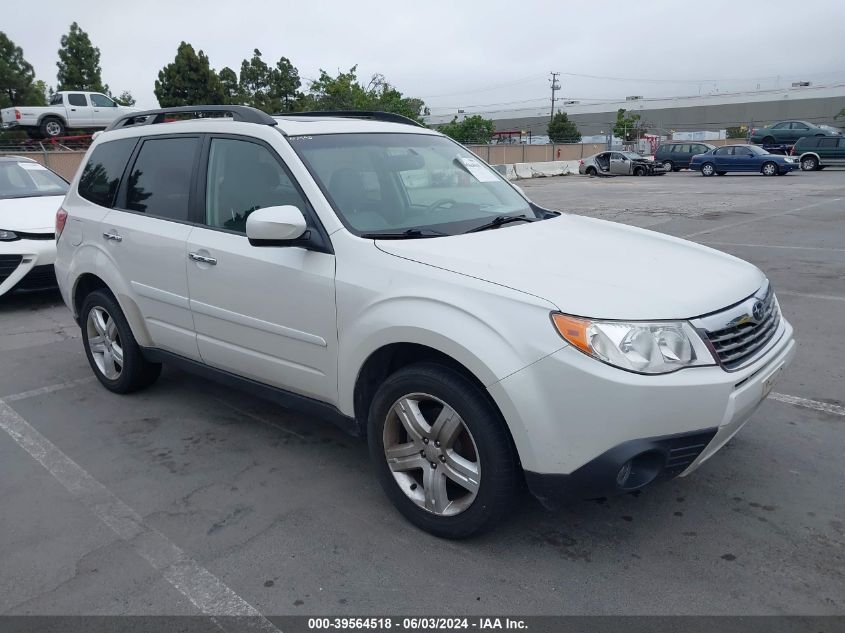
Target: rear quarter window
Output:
{"points": [[103, 171]]}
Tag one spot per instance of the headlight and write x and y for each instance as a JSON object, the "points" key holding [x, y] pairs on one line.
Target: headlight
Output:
{"points": [[660, 347], [7, 236]]}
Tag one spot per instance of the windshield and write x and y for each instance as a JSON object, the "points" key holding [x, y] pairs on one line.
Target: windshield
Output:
{"points": [[26, 180], [390, 183]]}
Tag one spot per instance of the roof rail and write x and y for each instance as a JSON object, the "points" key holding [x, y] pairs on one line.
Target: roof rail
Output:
{"points": [[390, 117], [241, 113]]}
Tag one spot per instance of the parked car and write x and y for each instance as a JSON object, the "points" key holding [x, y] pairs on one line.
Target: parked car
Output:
{"points": [[786, 132], [676, 155], [751, 158], [476, 339], [619, 164], [68, 110], [818, 152], [29, 196]]}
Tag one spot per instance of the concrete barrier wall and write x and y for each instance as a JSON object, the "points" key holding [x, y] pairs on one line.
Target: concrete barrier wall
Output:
{"points": [[520, 171]]}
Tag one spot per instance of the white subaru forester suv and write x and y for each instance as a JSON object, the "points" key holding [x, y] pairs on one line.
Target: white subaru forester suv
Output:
{"points": [[376, 273]]}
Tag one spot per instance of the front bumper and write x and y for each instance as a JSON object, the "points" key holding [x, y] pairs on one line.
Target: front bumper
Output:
{"points": [[27, 265], [576, 421]]}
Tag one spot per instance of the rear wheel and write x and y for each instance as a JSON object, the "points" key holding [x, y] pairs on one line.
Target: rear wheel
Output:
{"points": [[52, 127], [769, 140], [769, 169], [809, 163], [112, 351], [591, 171], [708, 169], [441, 451]]}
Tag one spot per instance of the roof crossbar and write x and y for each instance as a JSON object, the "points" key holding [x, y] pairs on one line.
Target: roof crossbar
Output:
{"points": [[390, 117], [240, 113]]}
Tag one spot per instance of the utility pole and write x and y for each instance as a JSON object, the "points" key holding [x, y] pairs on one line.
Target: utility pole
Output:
{"points": [[555, 87]]}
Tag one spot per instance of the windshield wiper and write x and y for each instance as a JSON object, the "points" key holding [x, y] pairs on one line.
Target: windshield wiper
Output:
{"points": [[404, 235], [500, 220]]}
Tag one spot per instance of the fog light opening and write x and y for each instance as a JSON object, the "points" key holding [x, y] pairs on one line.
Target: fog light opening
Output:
{"points": [[640, 470]]}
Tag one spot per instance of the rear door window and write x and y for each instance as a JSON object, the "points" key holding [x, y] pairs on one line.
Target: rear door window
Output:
{"points": [[77, 100], [103, 171], [159, 182], [828, 142]]}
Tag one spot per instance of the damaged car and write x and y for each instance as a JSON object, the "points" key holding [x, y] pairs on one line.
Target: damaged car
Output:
{"points": [[619, 164]]}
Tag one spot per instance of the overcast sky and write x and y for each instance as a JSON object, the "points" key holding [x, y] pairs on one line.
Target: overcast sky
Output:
{"points": [[461, 54]]}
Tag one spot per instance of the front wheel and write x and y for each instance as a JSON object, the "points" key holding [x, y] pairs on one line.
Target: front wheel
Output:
{"points": [[769, 169], [112, 351], [639, 171], [708, 169], [441, 451], [668, 166], [809, 163]]}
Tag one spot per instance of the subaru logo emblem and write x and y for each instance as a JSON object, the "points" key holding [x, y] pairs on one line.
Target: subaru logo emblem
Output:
{"points": [[758, 311]]}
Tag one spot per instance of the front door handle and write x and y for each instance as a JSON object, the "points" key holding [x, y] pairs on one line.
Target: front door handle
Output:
{"points": [[114, 237], [202, 258]]}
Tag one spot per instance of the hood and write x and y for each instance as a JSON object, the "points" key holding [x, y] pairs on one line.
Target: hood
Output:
{"points": [[594, 268], [33, 215]]}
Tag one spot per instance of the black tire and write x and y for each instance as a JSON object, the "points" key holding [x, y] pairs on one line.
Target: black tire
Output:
{"points": [[669, 166], [590, 171], [809, 163], [52, 127], [769, 169], [708, 169], [639, 171], [769, 140], [136, 372], [496, 457]]}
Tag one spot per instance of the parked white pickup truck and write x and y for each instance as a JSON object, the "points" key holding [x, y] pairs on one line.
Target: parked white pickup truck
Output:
{"points": [[68, 110]]}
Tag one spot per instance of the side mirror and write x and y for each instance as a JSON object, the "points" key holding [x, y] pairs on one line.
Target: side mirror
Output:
{"points": [[275, 226]]}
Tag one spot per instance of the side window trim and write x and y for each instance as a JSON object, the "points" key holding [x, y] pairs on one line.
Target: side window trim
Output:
{"points": [[120, 203], [200, 187]]}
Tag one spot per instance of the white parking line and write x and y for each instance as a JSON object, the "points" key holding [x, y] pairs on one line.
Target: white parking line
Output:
{"points": [[205, 591], [762, 217], [795, 248], [49, 389], [824, 407]]}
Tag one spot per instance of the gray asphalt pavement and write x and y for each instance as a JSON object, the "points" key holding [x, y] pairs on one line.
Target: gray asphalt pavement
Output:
{"points": [[187, 497]]}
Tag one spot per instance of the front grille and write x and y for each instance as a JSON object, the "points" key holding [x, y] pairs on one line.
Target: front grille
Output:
{"points": [[738, 343], [8, 264], [39, 278], [36, 236]]}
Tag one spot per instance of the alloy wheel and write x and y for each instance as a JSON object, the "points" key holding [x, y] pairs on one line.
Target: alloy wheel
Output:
{"points": [[769, 169], [53, 128], [432, 454], [104, 343]]}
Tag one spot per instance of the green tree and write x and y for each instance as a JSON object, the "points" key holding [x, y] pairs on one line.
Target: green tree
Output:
{"points": [[284, 86], [628, 126], [188, 80], [345, 92], [231, 88], [473, 129], [17, 77], [125, 98], [79, 62], [739, 131], [255, 81], [562, 130]]}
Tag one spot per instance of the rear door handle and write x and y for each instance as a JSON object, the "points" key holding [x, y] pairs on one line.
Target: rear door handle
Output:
{"points": [[114, 237], [202, 258]]}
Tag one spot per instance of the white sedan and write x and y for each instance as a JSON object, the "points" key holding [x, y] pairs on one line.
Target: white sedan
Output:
{"points": [[30, 195]]}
